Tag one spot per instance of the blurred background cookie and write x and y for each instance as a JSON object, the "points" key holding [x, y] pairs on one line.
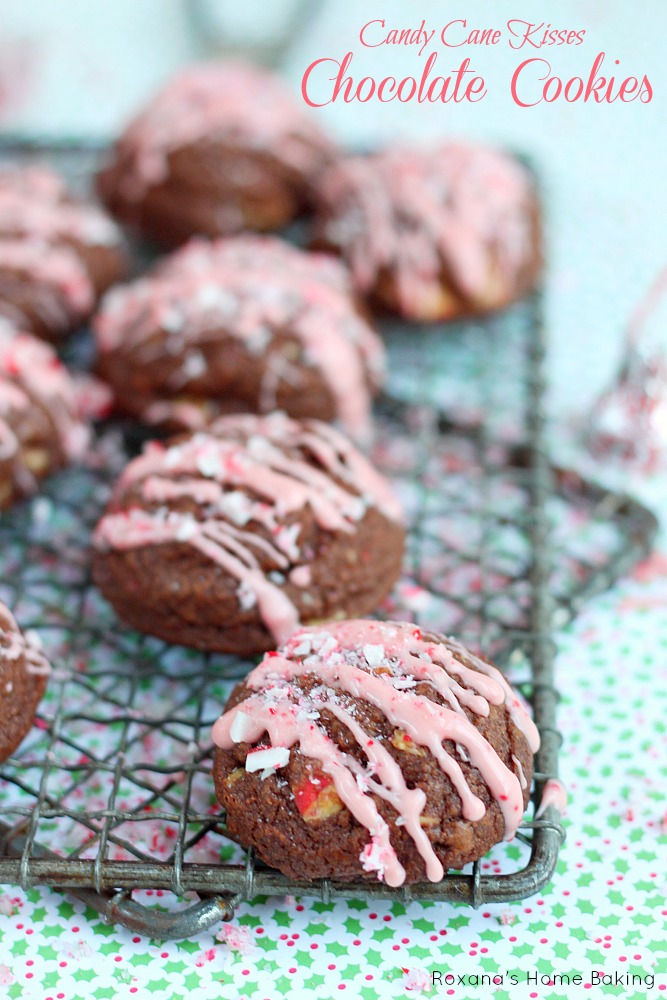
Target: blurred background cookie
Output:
{"points": [[366, 749], [57, 254], [433, 233], [246, 323], [221, 148], [41, 429], [23, 676], [227, 539]]}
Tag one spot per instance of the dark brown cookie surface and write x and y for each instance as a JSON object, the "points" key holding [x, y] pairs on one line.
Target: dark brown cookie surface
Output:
{"points": [[247, 323], [220, 149], [370, 750], [433, 234], [40, 426], [57, 255], [227, 539], [23, 676]]}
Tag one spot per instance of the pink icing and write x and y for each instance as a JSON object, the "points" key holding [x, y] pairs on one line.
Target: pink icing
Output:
{"points": [[57, 266], [34, 204], [344, 656], [513, 702], [234, 102], [241, 471], [39, 225], [250, 288], [411, 210], [32, 376], [33, 182], [554, 794], [15, 645]]}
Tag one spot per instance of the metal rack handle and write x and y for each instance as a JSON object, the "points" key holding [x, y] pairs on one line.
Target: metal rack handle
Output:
{"points": [[120, 908], [148, 922]]}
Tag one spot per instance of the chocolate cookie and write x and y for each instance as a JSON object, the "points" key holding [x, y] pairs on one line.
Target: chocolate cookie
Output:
{"points": [[57, 255], [222, 148], [433, 234], [40, 426], [366, 749], [227, 539], [23, 675], [247, 323]]}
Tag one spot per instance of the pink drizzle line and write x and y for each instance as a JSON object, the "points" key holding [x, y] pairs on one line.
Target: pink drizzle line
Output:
{"points": [[408, 210], [342, 656], [554, 794], [251, 288], [251, 453], [14, 645]]}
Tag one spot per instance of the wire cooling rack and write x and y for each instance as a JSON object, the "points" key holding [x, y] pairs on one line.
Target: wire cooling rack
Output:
{"points": [[115, 776]]}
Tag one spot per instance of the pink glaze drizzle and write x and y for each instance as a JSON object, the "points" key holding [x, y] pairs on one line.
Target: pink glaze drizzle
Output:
{"points": [[411, 210], [15, 645], [34, 204], [241, 471], [344, 657], [233, 102], [41, 232], [55, 266], [250, 288], [554, 794], [31, 376]]}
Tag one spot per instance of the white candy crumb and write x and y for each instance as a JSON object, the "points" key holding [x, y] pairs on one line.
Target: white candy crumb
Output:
{"points": [[286, 538], [362, 783], [186, 529], [208, 463], [237, 506], [172, 321], [372, 858], [207, 297], [272, 757], [374, 655], [236, 938], [403, 683], [33, 639], [247, 598], [328, 646], [417, 981], [304, 648], [240, 727], [42, 508], [194, 365], [302, 715]]}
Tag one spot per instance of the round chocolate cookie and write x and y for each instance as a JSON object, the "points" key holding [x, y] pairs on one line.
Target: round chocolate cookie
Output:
{"points": [[433, 234], [222, 148], [57, 255], [40, 425], [246, 323], [225, 540], [23, 675], [365, 749]]}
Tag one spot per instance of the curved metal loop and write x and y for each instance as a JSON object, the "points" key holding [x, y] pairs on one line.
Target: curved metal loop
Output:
{"points": [[163, 926]]}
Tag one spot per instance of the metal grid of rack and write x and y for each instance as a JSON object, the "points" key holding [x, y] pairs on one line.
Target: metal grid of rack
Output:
{"points": [[116, 774]]}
